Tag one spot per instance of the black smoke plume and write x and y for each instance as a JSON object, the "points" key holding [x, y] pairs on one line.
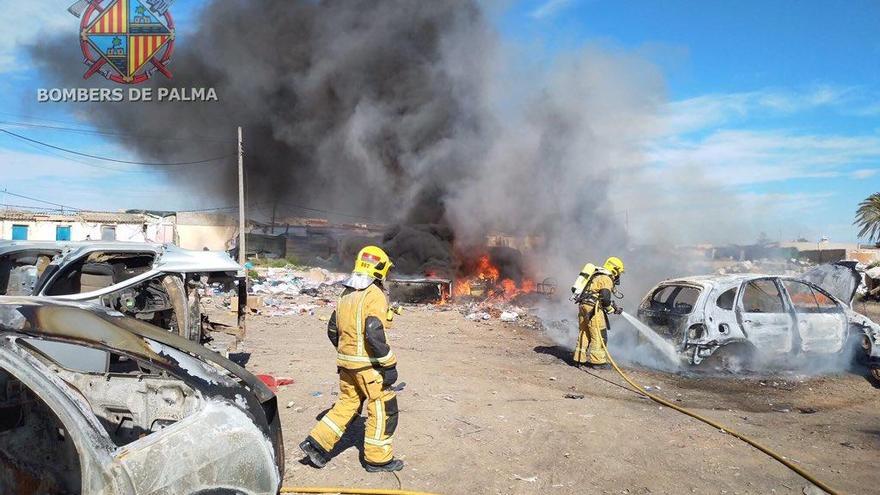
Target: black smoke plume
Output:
{"points": [[400, 111]]}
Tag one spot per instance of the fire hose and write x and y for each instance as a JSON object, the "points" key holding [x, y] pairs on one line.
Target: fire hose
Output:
{"points": [[724, 429], [639, 390]]}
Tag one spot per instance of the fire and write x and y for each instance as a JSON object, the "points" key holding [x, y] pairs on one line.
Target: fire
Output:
{"points": [[484, 282]]}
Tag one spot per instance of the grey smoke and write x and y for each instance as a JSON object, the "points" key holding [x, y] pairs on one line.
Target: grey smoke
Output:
{"points": [[415, 113]]}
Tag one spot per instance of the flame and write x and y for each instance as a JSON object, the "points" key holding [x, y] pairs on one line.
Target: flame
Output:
{"points": [[484, 282]]}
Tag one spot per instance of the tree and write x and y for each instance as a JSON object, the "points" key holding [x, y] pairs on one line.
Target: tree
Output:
{"points": [[868, 218]]}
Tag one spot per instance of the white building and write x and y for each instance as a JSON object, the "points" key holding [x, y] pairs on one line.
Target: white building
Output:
{"points": [[85, 225]]}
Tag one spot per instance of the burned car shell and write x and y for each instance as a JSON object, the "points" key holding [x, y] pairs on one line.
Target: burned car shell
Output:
{"points": [[166, 260], [713, 316], [230, 441]]}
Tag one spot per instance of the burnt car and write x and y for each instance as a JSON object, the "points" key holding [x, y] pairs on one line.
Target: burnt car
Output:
{"points": [[92, 401], [736, 319], [156, 283]]}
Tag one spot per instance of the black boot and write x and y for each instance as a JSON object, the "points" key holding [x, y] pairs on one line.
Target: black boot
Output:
{"points": [[393, 465], [316, 457], [603, 366]]}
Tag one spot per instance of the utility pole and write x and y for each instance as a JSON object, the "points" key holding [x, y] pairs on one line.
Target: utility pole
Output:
{"points": [[241, 247]]}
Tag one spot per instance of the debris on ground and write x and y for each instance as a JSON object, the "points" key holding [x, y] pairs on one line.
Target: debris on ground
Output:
{"points": [[274, 382]]}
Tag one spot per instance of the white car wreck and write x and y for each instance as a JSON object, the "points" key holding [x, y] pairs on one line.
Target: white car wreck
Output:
{"points": [[153, 282], [737, 319], [95, 402]]}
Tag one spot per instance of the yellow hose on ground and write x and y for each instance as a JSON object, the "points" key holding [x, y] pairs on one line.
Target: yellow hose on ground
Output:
{"points": [[638, 389], [351, 491]]}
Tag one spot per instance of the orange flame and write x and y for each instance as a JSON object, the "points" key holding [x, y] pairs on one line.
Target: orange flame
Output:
{"points": [[484, 282]]}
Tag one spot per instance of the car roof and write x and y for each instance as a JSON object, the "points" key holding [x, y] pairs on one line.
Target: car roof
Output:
{"points": [[715, 280], [90, 325], [170, 258]]}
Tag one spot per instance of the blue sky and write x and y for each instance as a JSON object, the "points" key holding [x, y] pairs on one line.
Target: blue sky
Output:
{"points": [[775, 102]]}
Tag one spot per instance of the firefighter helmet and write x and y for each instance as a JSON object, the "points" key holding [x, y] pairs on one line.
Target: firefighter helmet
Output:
{"points": [[373, 262]]}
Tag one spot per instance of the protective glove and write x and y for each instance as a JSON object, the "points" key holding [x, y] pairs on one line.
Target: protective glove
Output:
{"points": [[615, 309], [389, 376], [395, 309]]}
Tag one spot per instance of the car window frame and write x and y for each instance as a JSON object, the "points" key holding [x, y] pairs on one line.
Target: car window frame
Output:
{"points": [[780, 291]]}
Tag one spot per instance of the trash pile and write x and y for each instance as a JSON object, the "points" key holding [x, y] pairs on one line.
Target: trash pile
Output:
{"points": [[289, 291], [771, 267], [508, 313]]}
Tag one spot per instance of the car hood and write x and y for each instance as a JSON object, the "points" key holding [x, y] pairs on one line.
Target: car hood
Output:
{"points": [[840, 279]]}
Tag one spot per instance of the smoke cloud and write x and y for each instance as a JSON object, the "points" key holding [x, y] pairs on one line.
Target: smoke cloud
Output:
{"points": [[415, 113]]}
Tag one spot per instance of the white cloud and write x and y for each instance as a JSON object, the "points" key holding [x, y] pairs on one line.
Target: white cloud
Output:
{"points": [[752, 157], [863, 173], [697, 113], [550, 8], [25, 22]]}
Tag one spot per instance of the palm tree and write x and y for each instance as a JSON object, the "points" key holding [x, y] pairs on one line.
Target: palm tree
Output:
{"points": [[868, 218]]}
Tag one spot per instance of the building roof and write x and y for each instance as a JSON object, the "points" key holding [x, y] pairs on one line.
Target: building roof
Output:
{"points": [[79, 216]]}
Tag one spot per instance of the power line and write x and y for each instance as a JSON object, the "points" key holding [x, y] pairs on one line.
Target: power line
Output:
{"points": [[19, 136], [39, 200], [78, 127], [100, 167], [104, 133]]}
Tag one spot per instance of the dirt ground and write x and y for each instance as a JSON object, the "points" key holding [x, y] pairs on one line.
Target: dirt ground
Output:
{"points": [[484, 411]]}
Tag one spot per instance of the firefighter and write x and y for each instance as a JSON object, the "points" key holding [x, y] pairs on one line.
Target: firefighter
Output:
{"points": [[592, 291], [367, 368]]}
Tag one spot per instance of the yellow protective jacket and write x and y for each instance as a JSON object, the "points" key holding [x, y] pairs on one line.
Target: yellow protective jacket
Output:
{"points": [[599, 293], [357, 329]]}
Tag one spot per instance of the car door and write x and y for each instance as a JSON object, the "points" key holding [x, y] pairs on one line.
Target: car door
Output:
{"points": [[821, 321], [764, 317]]}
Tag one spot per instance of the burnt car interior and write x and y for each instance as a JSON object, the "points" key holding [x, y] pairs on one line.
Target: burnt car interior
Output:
{"points": [[129, 398], [20, 270], [674, 299], [97, 271], [668, 306], [807, 299], [167, 300], [37, 455], [762, 296]]}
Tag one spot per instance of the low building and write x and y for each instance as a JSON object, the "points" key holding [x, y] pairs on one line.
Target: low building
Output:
{"points": [[829, 252], [85, 225], [215, 231]]}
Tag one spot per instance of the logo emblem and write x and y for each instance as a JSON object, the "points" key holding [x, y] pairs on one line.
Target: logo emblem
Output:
{"points": [[126, 41]]}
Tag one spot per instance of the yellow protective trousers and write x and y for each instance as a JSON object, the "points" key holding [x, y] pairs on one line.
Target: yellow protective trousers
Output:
{"points": [[355, 388], [592, 327]]}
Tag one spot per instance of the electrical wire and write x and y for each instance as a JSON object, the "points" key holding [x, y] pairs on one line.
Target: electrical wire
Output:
{"points": [[96, 157], [724, 429], [99, 132], [39, 200]]}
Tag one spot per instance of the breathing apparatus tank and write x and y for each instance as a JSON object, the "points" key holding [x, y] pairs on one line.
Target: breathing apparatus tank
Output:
{"points": [[583, 281]]}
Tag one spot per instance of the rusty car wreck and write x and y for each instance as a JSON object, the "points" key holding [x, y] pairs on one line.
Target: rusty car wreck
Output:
{"points": [[738, 319], [156, 283], [92, 401]]}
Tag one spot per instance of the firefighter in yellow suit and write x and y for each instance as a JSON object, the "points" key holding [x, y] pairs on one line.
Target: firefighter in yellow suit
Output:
{"points": [[593, 290], [366, 366]]}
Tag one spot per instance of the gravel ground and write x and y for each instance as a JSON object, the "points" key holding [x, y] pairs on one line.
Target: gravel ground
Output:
{"points": [[484, 411]]}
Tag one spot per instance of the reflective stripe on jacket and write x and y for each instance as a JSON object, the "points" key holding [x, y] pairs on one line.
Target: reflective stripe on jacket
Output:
{"points": [[353, 349]]}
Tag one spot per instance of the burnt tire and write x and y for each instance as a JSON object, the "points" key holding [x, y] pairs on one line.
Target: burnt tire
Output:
{"points": [[732, 358]]}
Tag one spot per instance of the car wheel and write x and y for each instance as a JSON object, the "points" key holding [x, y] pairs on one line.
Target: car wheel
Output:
{"points": [[733, 358]]}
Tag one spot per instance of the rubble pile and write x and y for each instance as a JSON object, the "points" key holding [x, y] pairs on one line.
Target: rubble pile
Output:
{"points": [[790, 267], [506, 312], [290, 291]]}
